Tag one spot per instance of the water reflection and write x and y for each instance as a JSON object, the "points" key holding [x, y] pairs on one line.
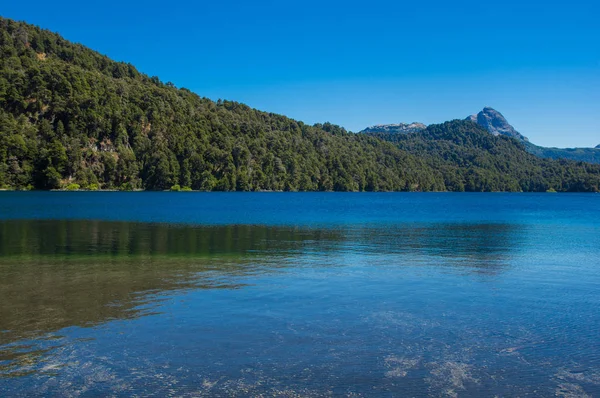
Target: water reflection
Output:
{"points": [[481, 248], [77, 273], [74, 273], [61, 274], [88, 238]]}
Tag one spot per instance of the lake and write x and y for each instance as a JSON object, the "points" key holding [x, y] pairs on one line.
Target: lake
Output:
{"points": [[299, 294]]}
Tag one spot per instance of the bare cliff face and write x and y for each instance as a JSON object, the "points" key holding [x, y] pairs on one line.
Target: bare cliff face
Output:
{"points": [[494, 122]]}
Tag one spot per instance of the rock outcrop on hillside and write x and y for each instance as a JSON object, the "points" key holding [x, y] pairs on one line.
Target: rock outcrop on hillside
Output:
{"points": [[397, 128]]}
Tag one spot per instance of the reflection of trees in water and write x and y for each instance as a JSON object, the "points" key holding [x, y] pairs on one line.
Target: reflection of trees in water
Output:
{"points": [[57, 274], [64, 273], [476, 247], [73, 273], [85, 238]]}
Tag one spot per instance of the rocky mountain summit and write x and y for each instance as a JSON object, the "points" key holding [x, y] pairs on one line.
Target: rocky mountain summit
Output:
{"points": [[398, 128], [494, 122]]}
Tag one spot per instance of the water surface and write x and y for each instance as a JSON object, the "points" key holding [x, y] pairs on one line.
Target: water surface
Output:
{"points": [[312, 294]]}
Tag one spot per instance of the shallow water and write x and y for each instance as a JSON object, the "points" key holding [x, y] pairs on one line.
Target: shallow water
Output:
{"points": [[293, 294]]}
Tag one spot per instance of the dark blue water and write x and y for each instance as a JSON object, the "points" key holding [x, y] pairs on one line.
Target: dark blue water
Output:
{"points": [[299, 294]]}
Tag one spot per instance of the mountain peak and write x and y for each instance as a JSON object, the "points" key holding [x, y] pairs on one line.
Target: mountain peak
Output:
{"points": [[494, 122]]}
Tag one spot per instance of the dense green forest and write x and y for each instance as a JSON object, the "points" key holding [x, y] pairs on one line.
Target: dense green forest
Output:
{"points": [[471, 159], [70, 117]]}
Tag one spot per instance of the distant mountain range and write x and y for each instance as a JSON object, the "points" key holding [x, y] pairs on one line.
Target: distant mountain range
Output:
{"points": [[494, 122]]}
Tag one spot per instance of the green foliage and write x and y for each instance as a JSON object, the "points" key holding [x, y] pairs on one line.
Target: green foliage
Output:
{"points": [[186, 189], [176, 188], [72, 187], [590, 155], [70, 114], [93, 187], [126, 187], [471, 159]]}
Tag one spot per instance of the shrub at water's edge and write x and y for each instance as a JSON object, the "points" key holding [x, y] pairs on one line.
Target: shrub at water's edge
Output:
{"points": [[69, 115]]}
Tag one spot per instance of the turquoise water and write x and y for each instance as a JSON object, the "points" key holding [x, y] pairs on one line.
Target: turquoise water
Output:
{"points": [[299, 294]]}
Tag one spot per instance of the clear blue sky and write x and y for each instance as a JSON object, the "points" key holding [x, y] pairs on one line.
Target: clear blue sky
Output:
{"points": [[361, 63]]}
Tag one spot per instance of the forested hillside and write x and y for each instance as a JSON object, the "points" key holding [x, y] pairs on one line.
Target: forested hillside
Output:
{"points": [[472, 159], [69, 115], [590, 155]]}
